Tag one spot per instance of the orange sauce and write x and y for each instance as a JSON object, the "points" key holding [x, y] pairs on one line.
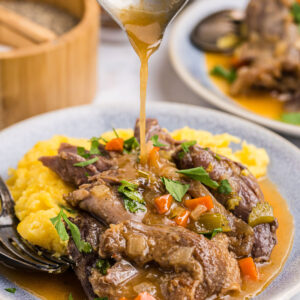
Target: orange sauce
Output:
{"points": [[53, 287], [145, 32], [259, 102]]}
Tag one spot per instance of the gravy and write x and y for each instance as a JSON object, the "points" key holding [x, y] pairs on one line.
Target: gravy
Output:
{"points": [[53, 287], [259, 102]]}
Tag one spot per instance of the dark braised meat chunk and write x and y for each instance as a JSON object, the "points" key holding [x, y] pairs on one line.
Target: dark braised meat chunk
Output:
{"points": [[245, 195], [201, 267], [90, 231], [63, 164], [271, 55], [102, 201]]}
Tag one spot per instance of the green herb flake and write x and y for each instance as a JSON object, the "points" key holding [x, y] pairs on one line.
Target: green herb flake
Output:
{"points": [[224, 187], [156, 142], [130, 145], [291, 118], [11, 290], [70, 297], [82, 152], [295, 10], [57, 221], [213, 233], [103, 139], [68, 209], [86, 163], [94, 146], [229, 75], [102, 266], [201, 175], [130, 190], [133, 206], [186, 146], [175, 188], [218, 157], [115, 132]]}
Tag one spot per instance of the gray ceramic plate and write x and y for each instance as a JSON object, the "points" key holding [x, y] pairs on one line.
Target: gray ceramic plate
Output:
{"points": [[87, 121], [189, 62]]}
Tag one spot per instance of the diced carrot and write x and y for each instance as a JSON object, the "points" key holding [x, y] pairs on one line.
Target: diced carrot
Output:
{"points": [[163, 203], [123, 298], [193, 203], [153, 159], [144, 296], [183, 218], [248, 267], [115, 145]]}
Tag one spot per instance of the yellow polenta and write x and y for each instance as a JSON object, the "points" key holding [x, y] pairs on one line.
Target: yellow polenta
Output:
{"points": [[38, 192]]}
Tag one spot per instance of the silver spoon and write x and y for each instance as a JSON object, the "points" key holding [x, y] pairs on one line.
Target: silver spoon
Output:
{"points": [[220, 32]]}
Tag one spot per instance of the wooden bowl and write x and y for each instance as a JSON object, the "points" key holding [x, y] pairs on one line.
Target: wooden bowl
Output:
{"points": [[52, 75]]}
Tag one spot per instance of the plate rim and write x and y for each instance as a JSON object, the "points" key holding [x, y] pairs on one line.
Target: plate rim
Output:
{"points": [[205, 93]]}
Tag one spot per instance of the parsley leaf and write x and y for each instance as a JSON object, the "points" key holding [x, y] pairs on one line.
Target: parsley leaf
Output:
{"points": [[186, 146], [213, 233], [102, 265], [291, 118], [130, 144], [133, 200], [94, 146], [130, 190], [11, 290], [82, 152], [201, 175], [175, 188], [296, 12], [229, 75], [133, 206], [224, 187], [70, 297], [86, 163], [68, 209], [81, 245], [156, 142]]}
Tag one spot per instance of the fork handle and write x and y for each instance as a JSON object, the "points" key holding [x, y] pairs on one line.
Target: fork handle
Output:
{"points": [[7, 202]]}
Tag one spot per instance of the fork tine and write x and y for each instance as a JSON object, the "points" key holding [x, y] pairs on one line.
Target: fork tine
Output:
{"points": [[8, 258]]}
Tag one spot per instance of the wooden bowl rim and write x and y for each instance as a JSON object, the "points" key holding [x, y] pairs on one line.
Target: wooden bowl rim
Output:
{"points": [[91, 8]]}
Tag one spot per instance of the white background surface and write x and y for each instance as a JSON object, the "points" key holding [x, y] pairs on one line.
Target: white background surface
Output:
{"points": [[119, 76]]}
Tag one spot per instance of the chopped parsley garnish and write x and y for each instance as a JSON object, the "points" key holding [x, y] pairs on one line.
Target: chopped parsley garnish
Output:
{"points": [[82, 152], [86, 163], [175, 188], [59, 225], [68, 209], [186, 146], [224, 187], [102, 266], [296, 12], [201, 175], [103, 139], [70, 297], [218, 157], [115, 132], [156, 142], [291, 118], [213, 233], [94, 146], [133, 206], [130, 144], [11, 290], [229, 75], [133, 200]]}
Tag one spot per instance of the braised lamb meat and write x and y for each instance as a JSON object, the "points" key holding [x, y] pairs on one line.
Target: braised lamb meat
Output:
{"points": [[245, 195], [206, 266], [63, 164], [271, 55]]}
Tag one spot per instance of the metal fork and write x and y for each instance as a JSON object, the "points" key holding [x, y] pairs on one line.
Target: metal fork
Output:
{"points": [[17, 252]]}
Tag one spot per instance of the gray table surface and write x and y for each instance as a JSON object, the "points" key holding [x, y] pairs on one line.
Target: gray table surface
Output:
{"points": [[119, 77]]}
